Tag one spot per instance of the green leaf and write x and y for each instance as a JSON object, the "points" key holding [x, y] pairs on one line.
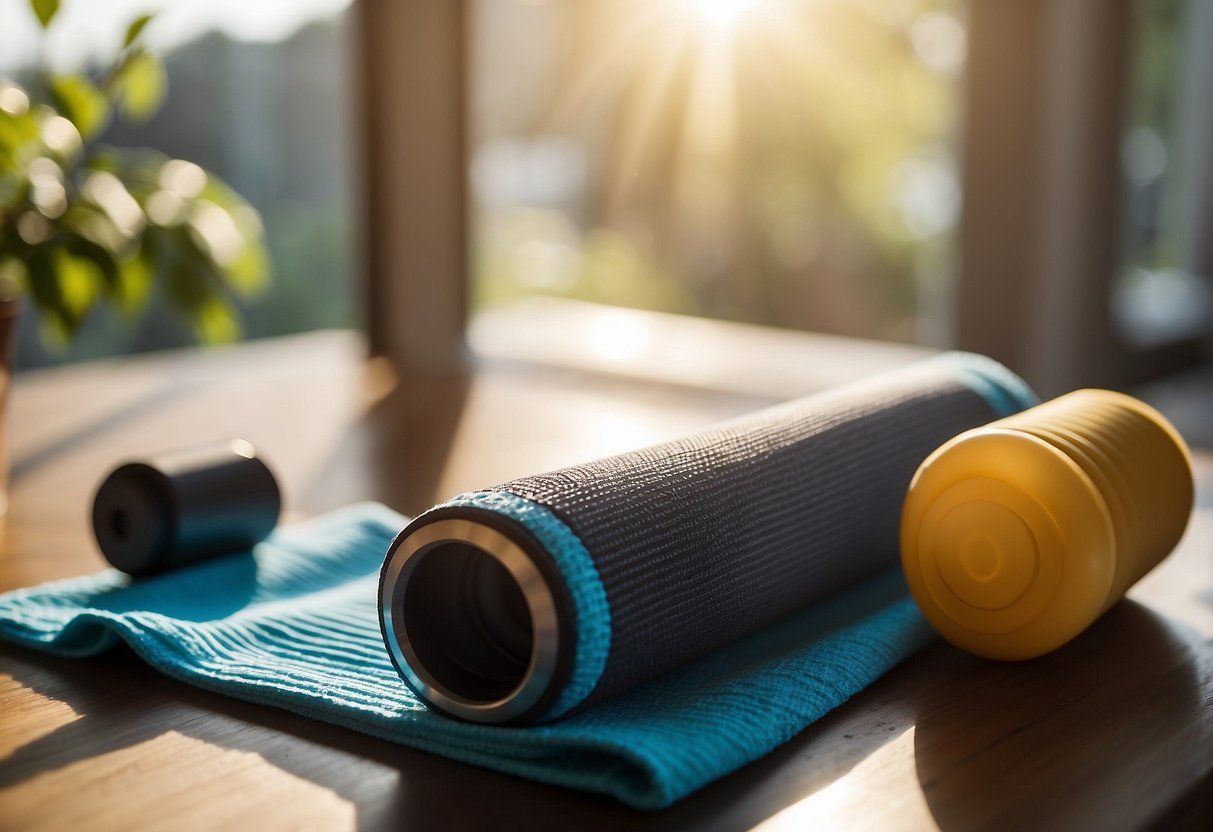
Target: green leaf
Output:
{"points": [[222, 194], [64, 288], [107, 159], [44, 10], [106, 265], [134, 284], [93, 225], [216, 323], [80, 102], [140, 85], [249, 275], [14, 277], [45, 291], [12, 193], [189, 273], [195, 285], [133, 31], [80, 282], [17, 134]]}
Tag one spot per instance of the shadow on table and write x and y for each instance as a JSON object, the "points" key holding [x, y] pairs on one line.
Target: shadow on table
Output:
{"points": [[1047, 728], [122, 703], [984, 733], [397, 451], [114, 418]]}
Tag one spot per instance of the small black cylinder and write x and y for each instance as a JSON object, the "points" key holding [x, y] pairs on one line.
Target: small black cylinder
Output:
{"points": [[175, 508]]}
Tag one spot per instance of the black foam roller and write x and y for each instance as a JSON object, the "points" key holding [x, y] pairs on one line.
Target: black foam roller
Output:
{"points": [[179, 507]]}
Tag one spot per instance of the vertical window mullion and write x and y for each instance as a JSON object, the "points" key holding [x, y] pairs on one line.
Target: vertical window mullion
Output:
{"points": [[412, 69]]}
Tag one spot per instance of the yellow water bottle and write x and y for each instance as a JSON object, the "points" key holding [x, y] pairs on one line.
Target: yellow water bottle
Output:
{"points": [[1016, 536]]}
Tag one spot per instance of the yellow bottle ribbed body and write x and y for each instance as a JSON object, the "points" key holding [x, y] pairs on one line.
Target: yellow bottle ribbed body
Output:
{"points": [[1016, 536]]}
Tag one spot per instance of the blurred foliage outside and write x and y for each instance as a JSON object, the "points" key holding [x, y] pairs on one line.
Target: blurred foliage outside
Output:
{"points": [[786, 162], [1158, 298], [272, 120], [1151, 142]]}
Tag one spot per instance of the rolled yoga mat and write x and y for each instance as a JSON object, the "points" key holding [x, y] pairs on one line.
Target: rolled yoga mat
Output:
{"points": [[545, 595]]}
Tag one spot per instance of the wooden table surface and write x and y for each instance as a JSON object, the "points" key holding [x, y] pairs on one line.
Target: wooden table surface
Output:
{"points": [[1114, 731]]}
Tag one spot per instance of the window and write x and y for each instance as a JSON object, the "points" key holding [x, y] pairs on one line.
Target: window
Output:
{"points": [[930, 171], [1028, 132]]}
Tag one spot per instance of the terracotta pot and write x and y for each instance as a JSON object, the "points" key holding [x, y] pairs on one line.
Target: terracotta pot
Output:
{"points": [[9, 308]]}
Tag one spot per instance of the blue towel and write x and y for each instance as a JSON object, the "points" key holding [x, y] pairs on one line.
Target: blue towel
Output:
{"points": [[295, 626]]}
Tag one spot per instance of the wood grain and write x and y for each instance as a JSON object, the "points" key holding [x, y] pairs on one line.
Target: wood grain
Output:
{"points": [[1114, 731]]}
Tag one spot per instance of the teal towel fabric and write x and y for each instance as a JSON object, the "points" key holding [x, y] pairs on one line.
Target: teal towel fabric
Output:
{"points": [[295, 626]]}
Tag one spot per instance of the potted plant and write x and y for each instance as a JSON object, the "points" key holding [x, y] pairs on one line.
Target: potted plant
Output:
{"points": [[83, 224]]}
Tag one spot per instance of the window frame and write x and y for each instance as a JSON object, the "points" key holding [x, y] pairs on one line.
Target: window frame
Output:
{"points": [[412, 178]]}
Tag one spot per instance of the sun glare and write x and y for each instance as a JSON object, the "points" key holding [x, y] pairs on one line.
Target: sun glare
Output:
{"points": [[721, 13], [680, 64]]}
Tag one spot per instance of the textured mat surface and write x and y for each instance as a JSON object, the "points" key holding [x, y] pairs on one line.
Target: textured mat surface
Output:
{"points": [[295, 627]]}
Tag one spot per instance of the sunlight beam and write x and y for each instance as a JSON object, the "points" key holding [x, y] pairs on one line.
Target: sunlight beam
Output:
{"points": [[721, 13]]}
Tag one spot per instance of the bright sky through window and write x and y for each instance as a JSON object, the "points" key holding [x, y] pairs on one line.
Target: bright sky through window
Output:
{"points": [[721, 13], [89, 29]]}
